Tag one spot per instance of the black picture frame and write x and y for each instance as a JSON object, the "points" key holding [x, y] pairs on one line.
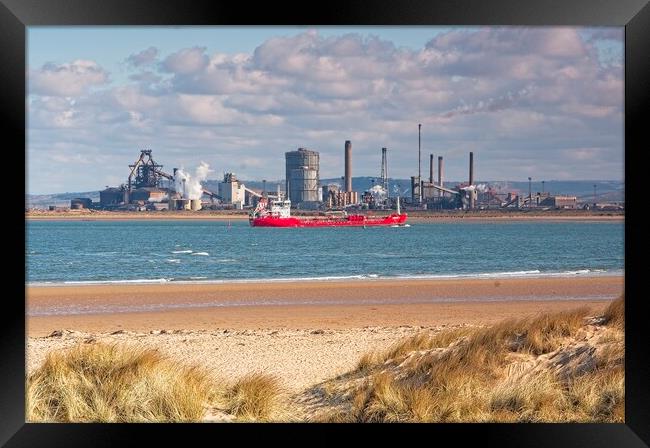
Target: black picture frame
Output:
{"points": [[16, 15]]}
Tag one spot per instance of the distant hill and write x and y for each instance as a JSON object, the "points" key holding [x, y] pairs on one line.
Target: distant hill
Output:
{"points": [[57, 199], [606, 190]]}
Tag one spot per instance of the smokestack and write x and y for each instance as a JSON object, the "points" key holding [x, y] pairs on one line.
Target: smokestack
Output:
{"points": [[440, 177], [471, 168], [348, 165], [419, 164], [430, 168], [471, 179], [419, 150], [384, 169]]}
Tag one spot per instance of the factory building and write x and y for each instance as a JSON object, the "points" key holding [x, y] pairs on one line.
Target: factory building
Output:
{"points": [[329, 194], [567, 202], [302, 179], [113, 197], [148, 187], [148, 194], [232, 191], [338, 198], [80, 203]]}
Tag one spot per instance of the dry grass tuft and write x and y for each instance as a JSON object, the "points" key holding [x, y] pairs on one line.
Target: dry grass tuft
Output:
{"points": [[537, 398], [113, 383], [615, 313], [464, 375], [421, 341], [599, 396], [256, 397], [367, 362]]}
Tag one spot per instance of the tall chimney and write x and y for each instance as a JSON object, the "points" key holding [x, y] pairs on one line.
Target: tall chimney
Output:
{"points": [[430, 168], [471, 168], [471, 179], [348, 165], [419, 165], [384, 169], [440, 177], [419, 151]]}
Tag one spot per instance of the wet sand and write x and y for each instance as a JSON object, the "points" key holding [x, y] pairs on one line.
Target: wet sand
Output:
{"points": [[306, 305]]}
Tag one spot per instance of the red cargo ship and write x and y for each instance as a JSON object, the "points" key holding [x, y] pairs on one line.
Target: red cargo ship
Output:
{"points": [[278, 214]]}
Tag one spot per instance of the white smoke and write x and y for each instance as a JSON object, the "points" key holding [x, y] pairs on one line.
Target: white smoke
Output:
{"points": [[481, 188], [378, 193], [507, 101], [190, 186]]}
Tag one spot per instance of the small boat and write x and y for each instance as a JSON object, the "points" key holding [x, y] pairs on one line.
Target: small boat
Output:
{"points": [[277, 213]]}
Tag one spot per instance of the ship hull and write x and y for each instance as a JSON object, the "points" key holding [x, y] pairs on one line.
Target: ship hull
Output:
{"points": [[349, 221]]}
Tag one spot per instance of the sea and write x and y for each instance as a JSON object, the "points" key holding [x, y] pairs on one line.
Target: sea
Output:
{"points": [[106, 252]]}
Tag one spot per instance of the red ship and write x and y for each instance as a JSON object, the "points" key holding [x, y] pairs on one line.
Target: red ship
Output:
{"points": [[278, 214]]}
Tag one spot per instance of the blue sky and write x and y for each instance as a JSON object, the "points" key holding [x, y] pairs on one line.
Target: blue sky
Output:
{"points": [[546, 101]]}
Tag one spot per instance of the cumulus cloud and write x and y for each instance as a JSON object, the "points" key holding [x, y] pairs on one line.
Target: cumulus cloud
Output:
{"points": [[186, 61], [508, 93], [145, 57], [68, 79]]}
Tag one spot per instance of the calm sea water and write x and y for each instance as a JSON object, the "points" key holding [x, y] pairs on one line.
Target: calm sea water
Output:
{"points": [[160, 251]]}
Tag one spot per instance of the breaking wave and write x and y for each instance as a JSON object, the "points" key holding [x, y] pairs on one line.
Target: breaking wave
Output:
{"points": [[372, 276]]}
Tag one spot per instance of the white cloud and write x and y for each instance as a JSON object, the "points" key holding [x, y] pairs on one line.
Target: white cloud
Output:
{"points": [[186, 61], [69, 79], [145, 57], [507, 93]]}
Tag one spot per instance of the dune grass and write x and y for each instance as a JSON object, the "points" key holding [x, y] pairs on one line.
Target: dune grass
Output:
{"points": [[114, 383], [466, 374], [124, 383], [256, 397], [615, 313], [463, 375]]}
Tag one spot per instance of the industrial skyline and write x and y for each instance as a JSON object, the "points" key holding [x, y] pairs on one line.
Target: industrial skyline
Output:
{"points": [[541, 102]]}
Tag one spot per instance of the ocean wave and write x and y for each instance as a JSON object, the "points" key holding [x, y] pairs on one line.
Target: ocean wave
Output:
{"points": [[182, 251], [173, 260], [110, 282], [205, 254], [509, 273], [370, 276]]}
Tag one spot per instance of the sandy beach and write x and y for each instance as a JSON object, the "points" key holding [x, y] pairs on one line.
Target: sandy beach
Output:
{"points": [[303, 343]]}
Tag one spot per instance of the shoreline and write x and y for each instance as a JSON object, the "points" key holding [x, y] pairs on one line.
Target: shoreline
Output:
{"points": [[333, 304], [579, 273]]}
